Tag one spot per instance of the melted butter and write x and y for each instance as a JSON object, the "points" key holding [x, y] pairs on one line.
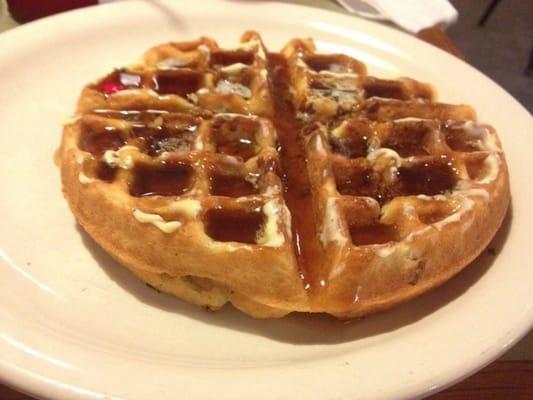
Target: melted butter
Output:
{"points": [[342, 75], [476, 193], [489, 141], [271, 236], [439, 197], [80, 159], [229, 116], [226, 87], [344, 97], [224, 247], [411, 119], [331, 229], [476, 130], [466, 190], [337, 269], [403, 253], [252, 45], [468, 204], [84, 179], [386, 251], [384, 152], [300, 63], [333, 82], [122, 157], [340, 130], [189, 207], [171, 63], [204, 49], [320, 145], [492, 166], [134, 92], [193, 97], [234, 69], [157, 220]]}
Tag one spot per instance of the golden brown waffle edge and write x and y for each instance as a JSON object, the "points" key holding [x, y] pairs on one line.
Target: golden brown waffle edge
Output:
{"points": [[280, 182]]}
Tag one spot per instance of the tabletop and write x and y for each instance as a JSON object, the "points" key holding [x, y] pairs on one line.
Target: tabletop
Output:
{"points": [[511, 376]]}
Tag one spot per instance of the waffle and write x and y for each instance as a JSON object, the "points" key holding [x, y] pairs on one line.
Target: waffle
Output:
{"points": [[280, 182]]}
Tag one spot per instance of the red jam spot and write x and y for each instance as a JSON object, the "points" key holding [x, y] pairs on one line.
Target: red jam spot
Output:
{"points": [[118, 80]]}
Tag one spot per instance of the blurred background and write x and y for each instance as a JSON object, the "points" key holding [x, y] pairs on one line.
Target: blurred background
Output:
{"points": [[496, 36], [502, 47]]}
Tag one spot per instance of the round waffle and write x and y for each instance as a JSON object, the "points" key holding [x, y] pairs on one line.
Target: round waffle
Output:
{"points": [[280, 182]]}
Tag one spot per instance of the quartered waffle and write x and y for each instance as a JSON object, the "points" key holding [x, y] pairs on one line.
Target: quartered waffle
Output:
{"points": [[280, 182]]}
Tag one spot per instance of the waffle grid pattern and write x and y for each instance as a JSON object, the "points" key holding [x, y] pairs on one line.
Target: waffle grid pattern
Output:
{"points": [[189, 137]]}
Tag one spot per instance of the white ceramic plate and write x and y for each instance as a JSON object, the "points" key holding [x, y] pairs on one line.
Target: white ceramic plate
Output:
{"points": [[73, 324]]}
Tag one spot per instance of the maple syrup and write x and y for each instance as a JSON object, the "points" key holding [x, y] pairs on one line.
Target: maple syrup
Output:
{"points": [[163, 180], [181, 82], [130, 115], [407, 139], [297, 188], [375, 233], [354, 141], [231, 185], [98, 142], [429, 178], [458, 139], [229, 57], [374, 87], [226, 225], [105, 172], [357, 181]]}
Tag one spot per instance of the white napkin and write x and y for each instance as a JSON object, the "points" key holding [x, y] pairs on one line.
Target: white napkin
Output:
{"points": [[411, 15]]}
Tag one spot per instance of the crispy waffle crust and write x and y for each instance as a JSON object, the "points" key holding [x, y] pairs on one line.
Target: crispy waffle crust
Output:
{"points": [[280, 182]]}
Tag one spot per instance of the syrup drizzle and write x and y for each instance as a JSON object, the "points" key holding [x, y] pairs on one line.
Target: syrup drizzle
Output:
{"points": [[233, 225], [231, 185], [166, 180], [297, 188]]}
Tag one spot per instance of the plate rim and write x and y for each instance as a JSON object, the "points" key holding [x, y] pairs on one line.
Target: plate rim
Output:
{"points": [[18, 378]]}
